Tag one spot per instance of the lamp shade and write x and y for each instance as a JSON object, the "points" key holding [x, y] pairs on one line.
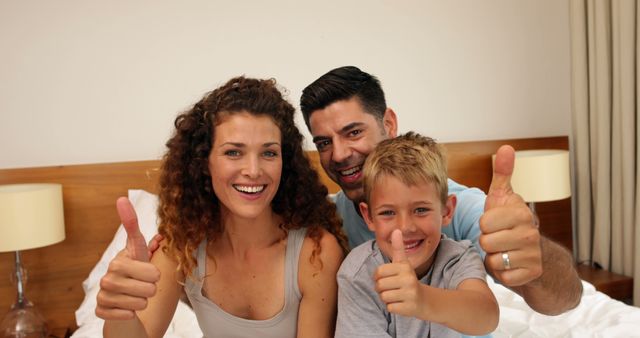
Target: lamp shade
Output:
{"points": [[542, 175], [31, 216]]}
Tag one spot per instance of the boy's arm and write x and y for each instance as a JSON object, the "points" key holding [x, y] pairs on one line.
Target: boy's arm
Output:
{"points": [[402, 292], [470, 309], [359, 313]]}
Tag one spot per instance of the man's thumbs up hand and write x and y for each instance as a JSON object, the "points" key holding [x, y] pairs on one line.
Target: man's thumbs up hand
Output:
{"points": [[510, 236]]}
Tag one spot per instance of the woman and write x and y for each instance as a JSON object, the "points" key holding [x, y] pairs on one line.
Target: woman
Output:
{"points": [[250, 235]]}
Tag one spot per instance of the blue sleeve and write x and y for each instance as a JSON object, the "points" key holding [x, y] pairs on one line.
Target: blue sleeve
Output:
{"points": [[466, 219], [353, 225]]}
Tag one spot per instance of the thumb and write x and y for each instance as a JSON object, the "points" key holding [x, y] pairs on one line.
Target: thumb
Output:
{"points": [[136, 244], [397, 246], [500, 187]]}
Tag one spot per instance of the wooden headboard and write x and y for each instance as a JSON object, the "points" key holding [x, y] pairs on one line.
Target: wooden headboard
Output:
{"points": [[56, 272]]}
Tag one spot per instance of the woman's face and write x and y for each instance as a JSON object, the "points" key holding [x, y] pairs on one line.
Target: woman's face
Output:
{"points": [[246, 164]]}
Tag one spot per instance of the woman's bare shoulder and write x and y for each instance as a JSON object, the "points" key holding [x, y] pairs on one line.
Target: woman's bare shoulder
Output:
{"points": [[326, 256], [166, 262]]}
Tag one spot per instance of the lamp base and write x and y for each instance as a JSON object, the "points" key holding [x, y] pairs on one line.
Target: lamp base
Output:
{"points": [[23, 321]]}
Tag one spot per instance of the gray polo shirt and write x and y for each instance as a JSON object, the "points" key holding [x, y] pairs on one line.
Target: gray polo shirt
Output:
{"points": [[361, 313]]}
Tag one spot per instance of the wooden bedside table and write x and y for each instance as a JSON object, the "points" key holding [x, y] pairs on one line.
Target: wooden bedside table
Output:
{"points": [[614, 285], [60, 332]]}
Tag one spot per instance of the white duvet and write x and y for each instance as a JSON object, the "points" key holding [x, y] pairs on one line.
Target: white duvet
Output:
{"points": [[596, 316], [183, 325]]}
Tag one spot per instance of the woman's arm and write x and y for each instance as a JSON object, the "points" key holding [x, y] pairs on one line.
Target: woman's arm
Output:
{"points": [[138, 299], [318, 286]]}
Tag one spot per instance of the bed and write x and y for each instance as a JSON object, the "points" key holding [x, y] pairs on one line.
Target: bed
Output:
{"points": [[63, 277]]}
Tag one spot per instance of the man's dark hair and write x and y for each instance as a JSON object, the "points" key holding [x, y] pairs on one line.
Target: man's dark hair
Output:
{"points": [[342, 84]]}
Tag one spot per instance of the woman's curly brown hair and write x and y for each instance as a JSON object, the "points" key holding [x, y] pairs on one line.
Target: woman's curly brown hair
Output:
{"points": [[189, 210]]}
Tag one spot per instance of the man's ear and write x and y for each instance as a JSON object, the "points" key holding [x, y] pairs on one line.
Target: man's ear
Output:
{"points": [[364, 211], [390, 123], [448, 209]]}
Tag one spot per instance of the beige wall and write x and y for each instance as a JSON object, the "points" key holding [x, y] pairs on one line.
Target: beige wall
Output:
{"points": [[100, 81]]}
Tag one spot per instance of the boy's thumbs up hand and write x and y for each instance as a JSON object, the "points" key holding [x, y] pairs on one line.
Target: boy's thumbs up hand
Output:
{"points": [[397, 245], [396, 282]]}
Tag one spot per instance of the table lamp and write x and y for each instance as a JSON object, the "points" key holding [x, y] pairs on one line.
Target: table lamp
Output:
{"points": [[541, 176], [31, 216]]}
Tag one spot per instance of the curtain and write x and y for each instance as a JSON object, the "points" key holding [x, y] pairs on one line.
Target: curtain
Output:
{"points": [[605, 143]]}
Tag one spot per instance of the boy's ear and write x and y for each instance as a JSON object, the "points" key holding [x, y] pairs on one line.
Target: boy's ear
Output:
{"points": [[448, 209], [364, 211], [390, 123]]}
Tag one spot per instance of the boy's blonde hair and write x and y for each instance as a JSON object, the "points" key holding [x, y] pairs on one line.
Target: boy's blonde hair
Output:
{"points": [[411, 158]]}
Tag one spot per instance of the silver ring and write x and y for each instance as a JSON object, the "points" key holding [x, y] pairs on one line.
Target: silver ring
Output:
{"points": [[536, 221], [505, 261]]}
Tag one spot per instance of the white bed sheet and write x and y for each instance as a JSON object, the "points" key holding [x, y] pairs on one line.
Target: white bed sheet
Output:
{"points": [[597, 315], [183, 325]]}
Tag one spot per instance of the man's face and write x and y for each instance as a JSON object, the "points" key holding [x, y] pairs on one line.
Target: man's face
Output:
{"points": [[344, 135]]}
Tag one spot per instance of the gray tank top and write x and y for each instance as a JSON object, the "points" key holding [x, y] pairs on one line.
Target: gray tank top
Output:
{"points": [[215, 322]]}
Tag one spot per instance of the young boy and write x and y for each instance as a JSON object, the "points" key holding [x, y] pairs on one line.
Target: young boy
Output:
{"points": [[411, 281]]}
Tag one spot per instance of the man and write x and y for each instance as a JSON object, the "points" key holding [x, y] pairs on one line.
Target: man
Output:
{"points": [[346, 113]]}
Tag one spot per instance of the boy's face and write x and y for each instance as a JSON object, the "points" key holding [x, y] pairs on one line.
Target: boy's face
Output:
{"points": [[416, 210], [344, 134]]}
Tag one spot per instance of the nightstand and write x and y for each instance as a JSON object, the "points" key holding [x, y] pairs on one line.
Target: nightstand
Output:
{"points": [[614, 285], [60, 332]]}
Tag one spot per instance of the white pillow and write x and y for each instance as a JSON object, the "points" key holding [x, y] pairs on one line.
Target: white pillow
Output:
{"points": [[89, 325]]}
